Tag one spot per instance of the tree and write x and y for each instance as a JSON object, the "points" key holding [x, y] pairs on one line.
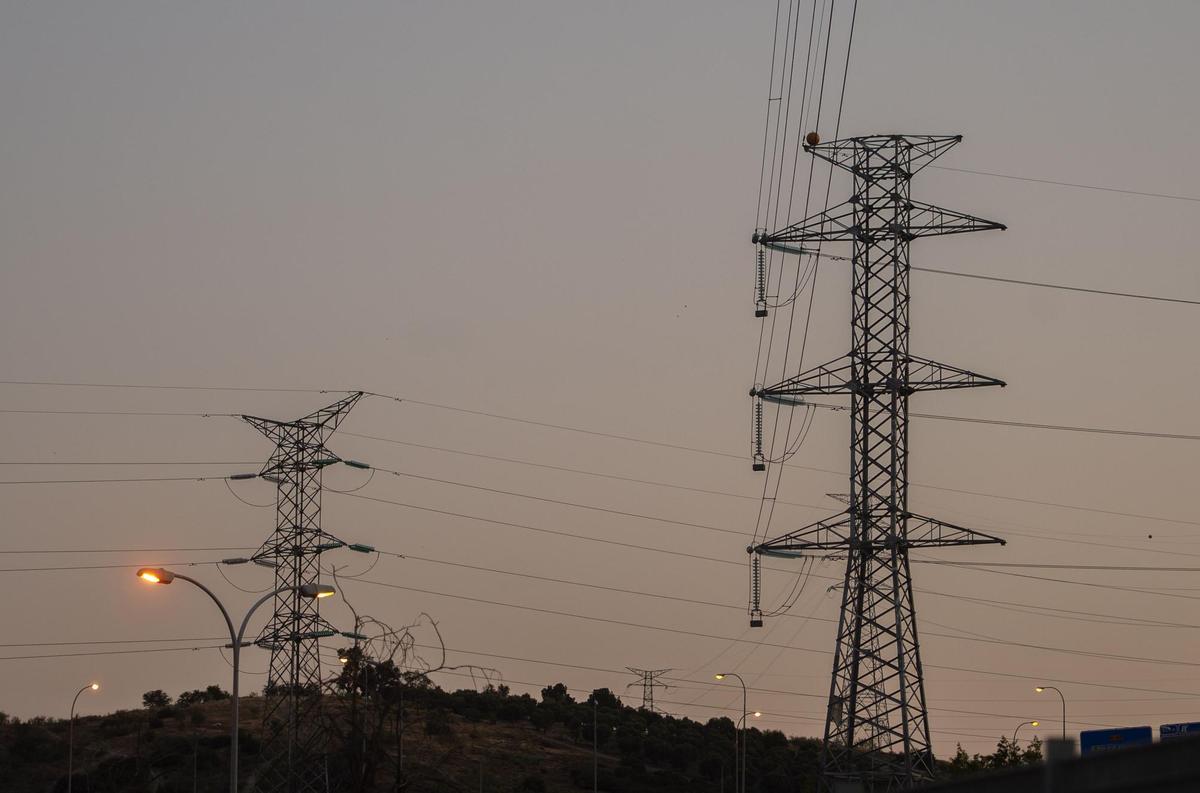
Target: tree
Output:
{"points": [[1008, 754], [558, 694], [1033, 752], [156, 699], [602, 697]]}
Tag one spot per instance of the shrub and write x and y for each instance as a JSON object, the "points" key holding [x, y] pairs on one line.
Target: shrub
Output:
{"points": [[155, 699]]}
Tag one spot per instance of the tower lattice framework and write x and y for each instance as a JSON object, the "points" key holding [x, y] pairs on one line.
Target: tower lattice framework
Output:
{"points": [[877, 725], [649, 679], [293, 751]]}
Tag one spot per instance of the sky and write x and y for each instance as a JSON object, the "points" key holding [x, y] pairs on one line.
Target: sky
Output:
{"points": [[542, 210]]}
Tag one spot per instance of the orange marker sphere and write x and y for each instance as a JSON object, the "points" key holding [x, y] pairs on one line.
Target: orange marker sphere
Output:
{"points": [[812, 139]]}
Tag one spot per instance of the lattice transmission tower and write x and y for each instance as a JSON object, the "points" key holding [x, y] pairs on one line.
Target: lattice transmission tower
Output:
{"points": [[649, 680], [877, 725], [294, 748]]}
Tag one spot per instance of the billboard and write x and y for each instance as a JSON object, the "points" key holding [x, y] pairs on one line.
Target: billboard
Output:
{"points": [[1093, 741], [1167, 732]]}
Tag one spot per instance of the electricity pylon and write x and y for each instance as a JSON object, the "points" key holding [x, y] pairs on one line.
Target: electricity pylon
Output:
{"points": [[877, 725], [294, 739], [649, 679]]}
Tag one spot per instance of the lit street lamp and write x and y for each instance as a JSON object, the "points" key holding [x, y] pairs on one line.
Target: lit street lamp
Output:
{"points": [[1040, 689], [741, 730], [744, 724], [1022, 724], [158, 575], [71, 733]]}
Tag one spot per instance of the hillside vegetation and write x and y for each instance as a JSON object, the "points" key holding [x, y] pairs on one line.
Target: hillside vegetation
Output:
{"points": [[421, 740]]}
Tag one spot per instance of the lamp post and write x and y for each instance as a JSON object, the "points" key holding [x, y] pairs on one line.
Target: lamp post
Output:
{"points": [[1040, 689], [741, 731], [744, 723], [158, 575], [1022, 724], [71, 733]]}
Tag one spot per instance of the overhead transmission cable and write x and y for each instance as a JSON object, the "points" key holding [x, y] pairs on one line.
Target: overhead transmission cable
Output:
{"points": [[1070, 184]]}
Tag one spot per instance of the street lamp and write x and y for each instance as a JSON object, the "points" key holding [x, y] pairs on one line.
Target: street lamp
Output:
{"points": [[71, 733], [744, 723], [1022, 724], [158, 575], [741, 730], [1040, 689]]}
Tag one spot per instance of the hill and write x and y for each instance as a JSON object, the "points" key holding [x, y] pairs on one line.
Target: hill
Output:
{"points": [[432, 741]]}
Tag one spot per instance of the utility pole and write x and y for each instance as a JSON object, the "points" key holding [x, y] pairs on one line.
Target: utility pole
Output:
{"points": [[649, 678], [877, 725], [294, 740]]}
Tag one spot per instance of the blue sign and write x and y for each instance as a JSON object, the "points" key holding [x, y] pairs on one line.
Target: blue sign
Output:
{"points": [[1169, 731], [1093, 741]]}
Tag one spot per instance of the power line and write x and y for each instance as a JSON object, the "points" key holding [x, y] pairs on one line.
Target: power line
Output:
{"points": [[682, 554], [112, 481], [981, 638], [1061, 287], [539, 529], [742, 457], [125, 462], [1059, 427], [113, 641], [1023, 424], [546, 500], [632, 439], [119, 413], [1068, 184], [1052, 566], [1016, 281], [830, 471], [1106, 586], [171, 387], [568, 469], [645, 441], [698, 634], [1029, 608], [126, 550], [101, 567], [108, 652]]}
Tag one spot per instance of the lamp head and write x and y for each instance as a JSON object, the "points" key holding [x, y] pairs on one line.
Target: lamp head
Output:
{"points": [[316, 591], [719, 677], [95, 686], [343, 659], [156, 575], [757, 713], [1035, 723], [1039, 689]]}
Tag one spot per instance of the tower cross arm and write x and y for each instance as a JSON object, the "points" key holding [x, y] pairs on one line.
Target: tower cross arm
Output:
{"points": [[928, 220], [925, 532], [887, 152], [927, 375], [831, 534], [875, 372], [836, 224], [833, 377]]}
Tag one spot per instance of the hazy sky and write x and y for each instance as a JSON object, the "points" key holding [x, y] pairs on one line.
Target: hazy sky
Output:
{"points": [[543, 210]]}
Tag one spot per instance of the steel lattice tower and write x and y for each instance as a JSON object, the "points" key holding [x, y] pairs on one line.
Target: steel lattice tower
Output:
{"points": [[877, 726], [649, 679], [294, 739]]}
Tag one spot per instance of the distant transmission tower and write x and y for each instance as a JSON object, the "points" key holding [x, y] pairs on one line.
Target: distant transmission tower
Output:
{"points": [[649, 679], [877, 726], [294, 737]]}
